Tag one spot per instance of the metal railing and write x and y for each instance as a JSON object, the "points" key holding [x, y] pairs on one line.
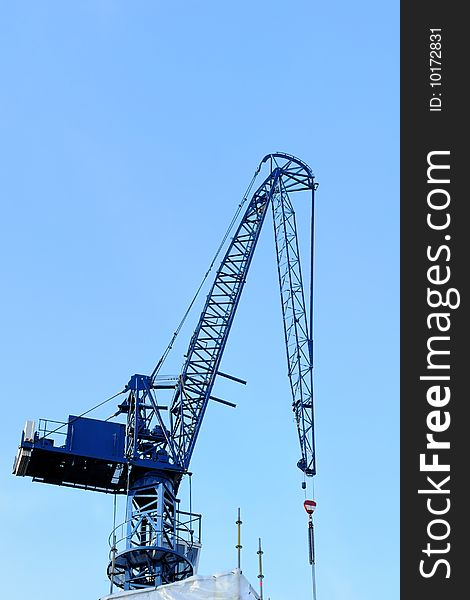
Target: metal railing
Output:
{"points": [[186, 534], [52, 430]]}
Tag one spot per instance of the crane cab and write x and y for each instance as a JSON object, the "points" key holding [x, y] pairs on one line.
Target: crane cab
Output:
{"points": [[84, 453]]}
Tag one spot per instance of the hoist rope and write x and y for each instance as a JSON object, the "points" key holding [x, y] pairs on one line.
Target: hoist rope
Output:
{"points": [[312, 312], [222, 243], [312, 355]]}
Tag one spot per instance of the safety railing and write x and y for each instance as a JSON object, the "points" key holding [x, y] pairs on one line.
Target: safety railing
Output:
{"points": [[56, 431], [182, 538]]}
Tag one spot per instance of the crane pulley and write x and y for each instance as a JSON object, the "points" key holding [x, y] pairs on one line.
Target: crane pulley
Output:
{"points": [[146, 458]]}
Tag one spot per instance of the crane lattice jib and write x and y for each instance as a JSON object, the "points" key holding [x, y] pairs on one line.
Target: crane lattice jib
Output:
{"points": [[287, 174], [296, 331]]}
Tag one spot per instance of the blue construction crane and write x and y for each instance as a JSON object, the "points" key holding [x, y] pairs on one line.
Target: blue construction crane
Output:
{"points": [[146, 458]]}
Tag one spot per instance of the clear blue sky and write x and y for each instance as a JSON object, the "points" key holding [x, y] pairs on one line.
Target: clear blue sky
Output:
{"points": [[128, 134]]}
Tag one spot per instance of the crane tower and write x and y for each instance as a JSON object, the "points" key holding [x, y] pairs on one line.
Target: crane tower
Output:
{"points": [[146, 457]]}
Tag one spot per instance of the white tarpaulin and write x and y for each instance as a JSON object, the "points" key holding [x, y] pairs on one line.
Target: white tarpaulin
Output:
{"points": [[231, 585]]}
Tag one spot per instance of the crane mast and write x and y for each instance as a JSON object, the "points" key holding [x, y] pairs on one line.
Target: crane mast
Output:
{"points": [[146, 458]]}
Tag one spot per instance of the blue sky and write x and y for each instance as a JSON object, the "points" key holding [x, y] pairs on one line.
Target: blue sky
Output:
{"points": [[129, 132]]}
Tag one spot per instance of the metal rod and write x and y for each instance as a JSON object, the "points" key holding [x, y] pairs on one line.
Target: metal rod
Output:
{"points": [[314, 585], [164, 386], [311, 548], [260, 575], [190, 493], [237, 379], [239, 545], [226, 402], [113, 549]]}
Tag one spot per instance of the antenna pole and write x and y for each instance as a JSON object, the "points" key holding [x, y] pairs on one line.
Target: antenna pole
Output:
{"points": [[239, 545], [260, 576]]}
